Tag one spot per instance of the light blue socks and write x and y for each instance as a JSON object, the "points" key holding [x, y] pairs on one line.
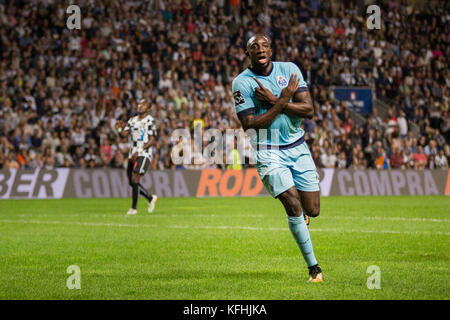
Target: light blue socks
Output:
{"points": [[300, 233]]}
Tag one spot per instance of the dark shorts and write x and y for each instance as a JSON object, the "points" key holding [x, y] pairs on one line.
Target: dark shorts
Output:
{"points": [[139, 166]]}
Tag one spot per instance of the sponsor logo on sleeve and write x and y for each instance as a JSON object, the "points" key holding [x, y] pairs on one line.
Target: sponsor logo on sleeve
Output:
{"points": [[238, 98]]}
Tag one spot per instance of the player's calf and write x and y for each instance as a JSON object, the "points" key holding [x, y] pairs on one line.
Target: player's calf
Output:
{"points": [[298, 227], [134, 194], [291, 203]]}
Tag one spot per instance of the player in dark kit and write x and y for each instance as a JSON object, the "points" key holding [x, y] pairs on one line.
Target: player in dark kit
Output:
{"points": [[141, 132]]}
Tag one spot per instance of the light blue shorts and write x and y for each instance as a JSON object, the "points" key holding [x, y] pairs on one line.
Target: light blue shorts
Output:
{"points": [[279, 170]]}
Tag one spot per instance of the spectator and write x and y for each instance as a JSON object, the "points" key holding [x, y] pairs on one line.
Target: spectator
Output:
{"points": [[381, 159], [106, 152], [396, 159], [342, 162], [431, 148], [431, 162], [317, 159], [408, 159], [402, 125], [197, 121], [78, 158], [91, 156], [441, 160], [329, 159], [420, 159], [36, 140]]}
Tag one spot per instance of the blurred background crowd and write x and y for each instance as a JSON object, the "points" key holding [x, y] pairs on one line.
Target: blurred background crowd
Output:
{"points": [[61, 90]]}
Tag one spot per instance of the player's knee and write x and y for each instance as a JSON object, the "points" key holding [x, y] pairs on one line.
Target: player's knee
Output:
{"points": [[135, 180], [134, 184], [295, 210], [313, 210], [316, 211]]}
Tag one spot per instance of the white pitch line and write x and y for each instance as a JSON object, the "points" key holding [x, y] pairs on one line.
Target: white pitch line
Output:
{"points": [[390, 219], [101, 224], [96, 215], [312, 229], [93, 224], [205, 215]]}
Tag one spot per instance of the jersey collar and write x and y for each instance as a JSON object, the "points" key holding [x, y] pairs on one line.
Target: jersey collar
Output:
{"points": [[261, 74]]}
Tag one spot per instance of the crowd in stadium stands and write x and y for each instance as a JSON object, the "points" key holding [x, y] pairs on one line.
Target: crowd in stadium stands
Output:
{"points": [[61, 90]]}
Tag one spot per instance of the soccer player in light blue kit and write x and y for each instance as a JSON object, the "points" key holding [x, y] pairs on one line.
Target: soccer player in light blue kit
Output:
{"points": [[273, 96]]}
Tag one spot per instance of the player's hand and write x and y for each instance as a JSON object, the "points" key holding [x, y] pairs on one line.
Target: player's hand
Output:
{"points": [[134, 156], [288, 92], [263, 94], [119, 124]]}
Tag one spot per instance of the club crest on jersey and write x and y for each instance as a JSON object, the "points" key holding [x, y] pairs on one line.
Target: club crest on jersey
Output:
{"points": [[282, 82]]}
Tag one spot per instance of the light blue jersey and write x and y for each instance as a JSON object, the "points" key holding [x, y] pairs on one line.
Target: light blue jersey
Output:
{"points": [[284, 130], [290, 163]]}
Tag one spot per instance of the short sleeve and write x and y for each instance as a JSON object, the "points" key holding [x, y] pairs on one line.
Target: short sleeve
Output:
{"points": [[303, 86], [242, 95], [151, 128]]}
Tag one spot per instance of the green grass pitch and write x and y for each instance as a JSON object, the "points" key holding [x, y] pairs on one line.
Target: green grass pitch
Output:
{"points": [[223, 248]]}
